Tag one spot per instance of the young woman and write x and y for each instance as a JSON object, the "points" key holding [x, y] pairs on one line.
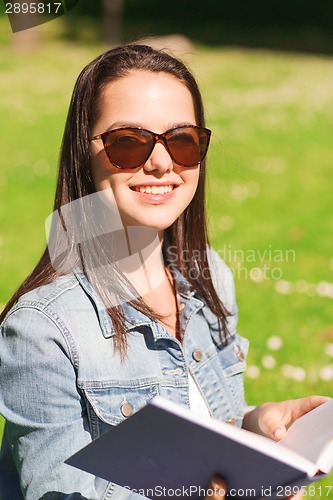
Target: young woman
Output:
{"points": [[129, 300]]}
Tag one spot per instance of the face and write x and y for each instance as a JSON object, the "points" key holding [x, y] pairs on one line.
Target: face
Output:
{"points": [[156, 102]]}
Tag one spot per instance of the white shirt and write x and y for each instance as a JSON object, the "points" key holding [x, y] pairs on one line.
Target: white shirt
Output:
{"points": [[197, 402]]}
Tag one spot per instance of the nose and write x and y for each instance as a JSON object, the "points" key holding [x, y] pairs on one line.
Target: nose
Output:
{"points": [[159, 159]]}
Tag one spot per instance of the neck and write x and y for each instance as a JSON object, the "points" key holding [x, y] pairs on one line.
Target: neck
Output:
{"points": [[145, 266]]}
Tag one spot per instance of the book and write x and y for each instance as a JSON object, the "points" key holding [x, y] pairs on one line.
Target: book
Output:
{"points": [[165, 448]]}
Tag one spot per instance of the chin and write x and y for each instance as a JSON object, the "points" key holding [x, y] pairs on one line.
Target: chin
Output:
{"points": [[158, 223], [157, 227]]}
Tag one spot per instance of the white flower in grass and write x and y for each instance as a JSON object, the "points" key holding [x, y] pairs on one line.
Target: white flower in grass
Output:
{"points": [[311, 292], [329, 290], [252, 371], [323, 289], [253, 189], [326, 373], [256, 274], [287, 370], [284, 287], [274, 343], [226, 222], [302, 286], [41, 167], [272, 165], [294, 372], [238, 191], [299, 374], [268, 362], [329, 350]]}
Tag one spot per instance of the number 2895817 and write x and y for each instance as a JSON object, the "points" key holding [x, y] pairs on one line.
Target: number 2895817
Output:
{"points": [[32, 8]]}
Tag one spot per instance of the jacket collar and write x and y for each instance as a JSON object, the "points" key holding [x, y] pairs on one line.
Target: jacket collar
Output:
{"points": [[134, 318]]}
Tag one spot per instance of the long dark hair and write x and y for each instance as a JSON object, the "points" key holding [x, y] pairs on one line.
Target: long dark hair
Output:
{"points": [[187, 235]]}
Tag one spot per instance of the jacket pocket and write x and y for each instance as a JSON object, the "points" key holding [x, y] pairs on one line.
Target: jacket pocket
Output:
{"points": [[233, 360], [111, 402]]}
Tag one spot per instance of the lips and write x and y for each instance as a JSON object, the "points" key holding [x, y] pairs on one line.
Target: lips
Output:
{"points": [[155, 193]]}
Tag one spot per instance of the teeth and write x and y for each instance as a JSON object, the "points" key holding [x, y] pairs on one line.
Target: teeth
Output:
{"points": [[154, 189]]}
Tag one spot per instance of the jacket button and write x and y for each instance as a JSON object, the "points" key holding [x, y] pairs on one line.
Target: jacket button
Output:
{"points": [[197, 355], [126, 409], [231, 421], [241, 355]]}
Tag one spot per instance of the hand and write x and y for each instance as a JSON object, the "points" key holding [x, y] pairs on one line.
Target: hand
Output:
{"points": [[298, 496], [217, 489], [273, 419]]}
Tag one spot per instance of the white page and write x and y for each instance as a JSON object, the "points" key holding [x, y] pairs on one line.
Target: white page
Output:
{"points": [[312, 436], [267, 446]]}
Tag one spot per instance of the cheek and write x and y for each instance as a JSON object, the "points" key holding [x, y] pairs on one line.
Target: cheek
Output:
{"points": [[191, 179], [101, 171], [106, 177]]}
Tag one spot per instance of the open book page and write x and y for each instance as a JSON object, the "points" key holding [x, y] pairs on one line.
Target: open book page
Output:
{"points": [[312, 436], [259, 443]]}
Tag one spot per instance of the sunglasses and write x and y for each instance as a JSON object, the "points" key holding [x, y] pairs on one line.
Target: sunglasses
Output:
{"points": [[130, 147]]}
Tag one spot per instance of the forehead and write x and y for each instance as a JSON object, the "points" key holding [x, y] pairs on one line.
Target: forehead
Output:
{"points": [[136, 78], [146, 93]]}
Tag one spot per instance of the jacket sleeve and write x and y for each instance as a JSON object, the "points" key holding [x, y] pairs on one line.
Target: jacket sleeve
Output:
{"points": [[45, 413], [224, 284]]}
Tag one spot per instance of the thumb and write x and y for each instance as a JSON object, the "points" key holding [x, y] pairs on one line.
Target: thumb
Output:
{"points": [[216, 490], [279, 432], [271, 421]]}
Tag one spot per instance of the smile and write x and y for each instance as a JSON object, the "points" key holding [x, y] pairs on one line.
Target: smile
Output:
{"points": [[154, 189], [155, 194]]}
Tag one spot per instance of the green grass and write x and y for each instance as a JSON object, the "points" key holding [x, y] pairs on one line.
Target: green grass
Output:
{"points": [[269, 191], [270, 202]]}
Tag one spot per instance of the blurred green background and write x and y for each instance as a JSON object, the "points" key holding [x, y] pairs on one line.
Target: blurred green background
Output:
{"points": [[268, 87]]}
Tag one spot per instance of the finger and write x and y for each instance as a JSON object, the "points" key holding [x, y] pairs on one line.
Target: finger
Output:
{"points": [[310, 403], [276, 422], [217, 489], [299, 407]]}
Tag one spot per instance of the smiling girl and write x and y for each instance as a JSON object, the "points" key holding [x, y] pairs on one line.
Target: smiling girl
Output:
{"points": [[114, 313]]}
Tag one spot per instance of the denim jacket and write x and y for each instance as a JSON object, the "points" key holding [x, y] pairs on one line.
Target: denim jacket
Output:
{"points": [[62, 383]]}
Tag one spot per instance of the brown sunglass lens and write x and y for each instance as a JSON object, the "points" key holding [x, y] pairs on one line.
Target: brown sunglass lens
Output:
{"points": [[188, 145], [128, 148]]}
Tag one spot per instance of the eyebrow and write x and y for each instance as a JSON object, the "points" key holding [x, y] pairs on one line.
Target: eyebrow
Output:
{"points": [[120, 124], [123, 124]]}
